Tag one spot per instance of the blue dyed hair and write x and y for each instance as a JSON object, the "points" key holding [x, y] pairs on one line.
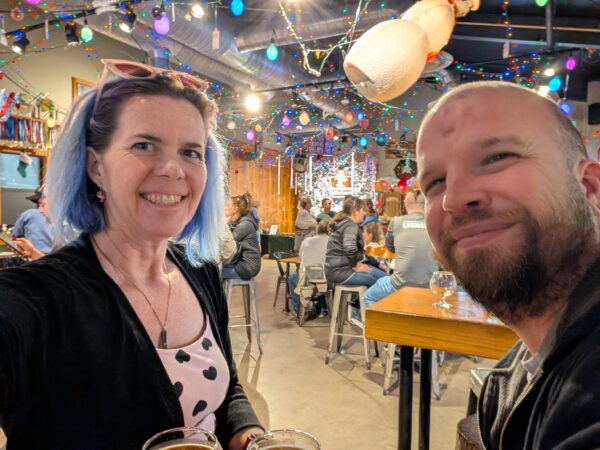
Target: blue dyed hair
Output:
{"points": [[72, 194]]}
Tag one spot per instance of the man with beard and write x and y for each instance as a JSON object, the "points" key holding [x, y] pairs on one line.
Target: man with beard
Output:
{"points": [[513, 209]]}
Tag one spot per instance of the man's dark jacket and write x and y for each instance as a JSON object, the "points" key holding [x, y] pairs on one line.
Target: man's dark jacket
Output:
{"points": [[560, 408]]}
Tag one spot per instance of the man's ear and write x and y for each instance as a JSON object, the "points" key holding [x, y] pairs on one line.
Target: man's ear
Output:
{"points": [[94, 167], [589, 174]]}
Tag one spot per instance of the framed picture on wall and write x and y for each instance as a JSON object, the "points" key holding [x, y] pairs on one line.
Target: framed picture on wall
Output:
{"points": [[80, 86]]}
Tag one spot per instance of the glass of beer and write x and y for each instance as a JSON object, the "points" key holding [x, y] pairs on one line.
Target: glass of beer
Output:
{"points": [[443, 284], [184, 438], [284, 440]]}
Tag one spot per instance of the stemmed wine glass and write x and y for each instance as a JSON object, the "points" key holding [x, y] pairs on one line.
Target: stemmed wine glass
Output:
{"points": [[443, 284]]}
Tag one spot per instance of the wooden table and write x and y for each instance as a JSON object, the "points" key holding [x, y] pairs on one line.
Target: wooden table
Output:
{"points": [[380, 252], [408, 318], [287, 261]]}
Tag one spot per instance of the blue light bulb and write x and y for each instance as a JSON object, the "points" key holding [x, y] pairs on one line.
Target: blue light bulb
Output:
{"points": [[566, 108], [555, 84], [237, 7]]}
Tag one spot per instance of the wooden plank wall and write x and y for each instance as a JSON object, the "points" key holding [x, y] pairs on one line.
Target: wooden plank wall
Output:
{"points": [[261, 182]]}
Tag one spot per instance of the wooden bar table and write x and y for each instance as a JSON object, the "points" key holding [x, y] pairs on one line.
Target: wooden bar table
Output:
{"points": [[408, 318]]}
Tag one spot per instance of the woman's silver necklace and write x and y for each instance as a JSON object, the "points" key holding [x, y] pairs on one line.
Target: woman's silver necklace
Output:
{"points": [[162, 343]]}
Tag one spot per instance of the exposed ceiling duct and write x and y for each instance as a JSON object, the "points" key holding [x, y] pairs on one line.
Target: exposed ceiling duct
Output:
{"points": [[257, 40]]}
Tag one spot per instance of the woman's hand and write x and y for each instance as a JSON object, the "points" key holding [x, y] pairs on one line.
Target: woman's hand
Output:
{"points": [[360, 267], [241, 438], [28, 250]]}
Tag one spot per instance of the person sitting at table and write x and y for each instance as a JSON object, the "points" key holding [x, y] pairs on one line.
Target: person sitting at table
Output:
{"points": [[28, 250], [327, 213], [513, 209], [373, 238], [371, 215], [122, 332], [306, 225], [312, 251], [34, 225], [246, 262], [345, 259], [414, 263]]}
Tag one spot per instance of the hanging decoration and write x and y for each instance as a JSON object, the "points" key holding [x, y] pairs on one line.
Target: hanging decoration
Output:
{"points": [[7, 102]]}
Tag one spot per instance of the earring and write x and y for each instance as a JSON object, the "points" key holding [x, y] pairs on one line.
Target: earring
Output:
{"points": [[101, 196]]}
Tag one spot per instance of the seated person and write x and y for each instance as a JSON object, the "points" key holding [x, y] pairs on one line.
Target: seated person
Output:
{"points": [[312, 251], [372, 215], [246, 262], [34, 225], [327, 213], [373, 238], [344, 262], [414, 263]]}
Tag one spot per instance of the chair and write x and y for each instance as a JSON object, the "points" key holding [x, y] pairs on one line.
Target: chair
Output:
{"points": [[283, 277], [342, 296], [250, 309], [438, 361], [314, 283]]}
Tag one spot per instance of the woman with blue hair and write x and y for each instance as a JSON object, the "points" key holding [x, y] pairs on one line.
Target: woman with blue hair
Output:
{"points": [[122, 332]]}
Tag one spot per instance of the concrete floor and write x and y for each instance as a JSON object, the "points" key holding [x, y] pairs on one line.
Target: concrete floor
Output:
{"points": [[342, 403]]}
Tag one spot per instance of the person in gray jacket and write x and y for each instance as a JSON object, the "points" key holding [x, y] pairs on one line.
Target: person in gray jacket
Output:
{"points": [[344, 260], [414, 263], [246, 262], [513, 209]]}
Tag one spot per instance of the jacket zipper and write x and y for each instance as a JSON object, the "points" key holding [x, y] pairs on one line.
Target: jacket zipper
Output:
{"points": [[531, 385]]}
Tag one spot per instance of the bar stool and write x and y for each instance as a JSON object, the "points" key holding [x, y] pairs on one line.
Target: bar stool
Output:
{"points": [[336, 328], [250, 309]]}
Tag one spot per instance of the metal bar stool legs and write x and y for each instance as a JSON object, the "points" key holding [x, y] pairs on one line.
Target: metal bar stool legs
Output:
{"points": [[250, 308]]}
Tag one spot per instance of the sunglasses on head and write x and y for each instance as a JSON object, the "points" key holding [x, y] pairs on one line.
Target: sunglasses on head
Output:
{"points": [[131, 69]]}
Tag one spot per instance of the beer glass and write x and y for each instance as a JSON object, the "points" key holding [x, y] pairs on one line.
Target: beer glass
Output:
{"points": [[184, 438], [443, 284], [284, 440]]}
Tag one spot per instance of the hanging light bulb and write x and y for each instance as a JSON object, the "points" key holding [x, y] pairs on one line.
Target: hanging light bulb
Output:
{"points": [[541, 3], [555, 84], [161, 25], [20, 45], [87, 34], [272, 51], [363, 141], [571, 63], [285, 122], [128, 22], [237, 7], [549, 72], [32, 2], [252, 103], [197, 11]]}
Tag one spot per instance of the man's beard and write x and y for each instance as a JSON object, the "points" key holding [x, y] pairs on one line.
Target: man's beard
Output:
{"points": [[538, 271]]}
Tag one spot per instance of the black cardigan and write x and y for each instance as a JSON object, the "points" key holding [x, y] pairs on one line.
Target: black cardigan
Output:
{"points": [[77, 368]]}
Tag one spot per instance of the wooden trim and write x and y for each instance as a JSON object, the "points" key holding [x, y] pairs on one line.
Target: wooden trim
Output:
{"points": [[77, 84]]}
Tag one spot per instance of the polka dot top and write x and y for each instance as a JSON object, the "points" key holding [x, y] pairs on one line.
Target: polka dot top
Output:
{"points": [[200, 376]]}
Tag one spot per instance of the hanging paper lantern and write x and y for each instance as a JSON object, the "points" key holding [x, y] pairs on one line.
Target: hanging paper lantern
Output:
{"points": [[304, 118], [162, 26], [236, 7], [364, 123], [16, 14], [571, 63], [330, 133], [285, 122], [348, 117], [231, 125], [250, 135], [382, 139]]}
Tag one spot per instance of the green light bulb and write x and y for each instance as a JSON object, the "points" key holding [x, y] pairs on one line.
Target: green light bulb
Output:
{"points": [[87, 34], [541, 2], [272, 52]]}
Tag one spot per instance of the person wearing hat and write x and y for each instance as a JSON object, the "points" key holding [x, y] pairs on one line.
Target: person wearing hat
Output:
{"points": [[33, 225]]}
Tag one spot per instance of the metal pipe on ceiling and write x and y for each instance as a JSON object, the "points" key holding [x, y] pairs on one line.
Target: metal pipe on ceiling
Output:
{"points": [[549, 19]]}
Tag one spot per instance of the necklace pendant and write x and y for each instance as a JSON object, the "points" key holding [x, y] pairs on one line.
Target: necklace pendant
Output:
{"points": [[163, 338]]}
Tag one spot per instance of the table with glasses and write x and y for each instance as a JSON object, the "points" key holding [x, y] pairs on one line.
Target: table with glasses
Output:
{"points": [[408, 318]]}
